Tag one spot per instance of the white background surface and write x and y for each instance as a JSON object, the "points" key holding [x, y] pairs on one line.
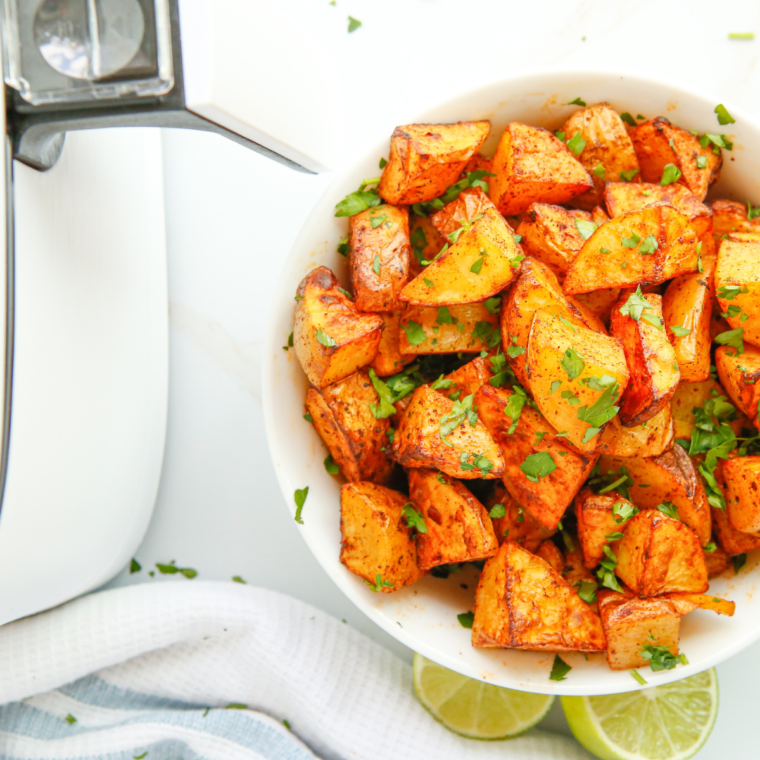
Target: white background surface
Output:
{"points": [[231, 217]]}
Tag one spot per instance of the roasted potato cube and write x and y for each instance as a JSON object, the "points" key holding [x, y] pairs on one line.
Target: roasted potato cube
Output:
{"points": [[686, 603], [344, 420], [422, 440], [739, 374], [744, 237], [331, 337], [516, 524], [668, 477], [608, 152], [425, 240], [596, 522], [660, 555], [458, 528], [426, 158], [651, 359], [481, 263], [599, 215], [737, 284], [576, 375], [478, 162], [647, 246], [658, 143], [732, 541], [375, 537], [541, 472], [389, 359], [550, 554], [730, 216], [688, 396], [574, 571], [536, 288], [742, 492], [531, 165], [647, 440], [630, 624], [467, 379], [380, 257], [522, 603], [716, 561], [552, 234], [464, 209], [599, 302], [464, 328]]}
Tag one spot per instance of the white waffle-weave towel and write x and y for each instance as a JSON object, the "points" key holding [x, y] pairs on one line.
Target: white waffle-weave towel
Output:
{"points": [[151, 668]]}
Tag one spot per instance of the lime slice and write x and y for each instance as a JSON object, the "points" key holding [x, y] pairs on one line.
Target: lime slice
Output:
{"points": [[669, 722], [475, 709]]}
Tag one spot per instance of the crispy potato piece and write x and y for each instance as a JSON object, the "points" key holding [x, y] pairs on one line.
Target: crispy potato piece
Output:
{"points": [[375, 539], [522, 603], [468, 205], [465, 328], [545, 497], [599, 216], [739, 374], [624, 266], [536, 288], [517, 524], [458, 526], [530, 165], [737, 284], [651, 362], [481, 263], [550, 345], [478, 162], [647, 440], [686, 603], [730, 216], [630, 624], [551, 234], [744, 237], [418, 441], [344, 421], [659, 555], [658, 143], [608, 151], [731, 540], [426, 158], [716, 561], [323, 311], [389, 359], [426, 242], [380, 254], [742, 478], [575, 571], [596, 522], [599, 302], [550, 554], [668, 477], [687, 397], [468, 378]]}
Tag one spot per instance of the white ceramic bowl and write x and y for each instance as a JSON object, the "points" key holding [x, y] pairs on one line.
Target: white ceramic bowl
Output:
{"points": [[423, 616]]}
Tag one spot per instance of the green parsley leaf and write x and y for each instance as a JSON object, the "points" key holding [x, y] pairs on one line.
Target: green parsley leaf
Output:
{"points": [[670, 174], [701, 162], [308, 418], [345, 293], [238, 579], [236, 706], [606, 571], [718, 141], [649, 246], [343, 247], [477, 265], [488, 333], [466, 619], [576, 102], [414, 333], [70, 718], [286, 723], [540, 436], [653, 320], [590, 433], [555, 386], [325, 339], [358, 201], [724, 117], [378, 584], [441, 383], [622, 512], [669, 509], [300, 499], [330, 465], [493, 305], [638, 677], [586, 228], [604, 250], [376, 221], [502, 372], [629, 175], [733, 338], [560, 668], [444, 316], [572, 363], [497, 510], [614, 536], [560, 135], [460, 411], [172, 569], [659, 657], [427, 282], [680, 332], [635, 305], [514, 407], [738, 561], [383, 163], [376, 264], [419, 242], [587, 591], [602, 410], [413, 518], [710, 548], [134, 566], [514, 262], [730, 292], [441, 479], [385, 408], [576, 144], [479, 461], [353, 24], [537, 466], [752, 213], [570, 397], [632, 241], [628, 119], [599, 171]]}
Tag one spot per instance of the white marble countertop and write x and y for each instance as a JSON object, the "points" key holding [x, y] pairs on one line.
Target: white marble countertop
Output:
{"points": [[231, 217]]}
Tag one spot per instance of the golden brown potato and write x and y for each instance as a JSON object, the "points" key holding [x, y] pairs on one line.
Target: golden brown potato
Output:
{"points": [[739, 374], [647, 246], [458, 528], [744, 237], [541, 472], [599, 216], [426, 158], [730, 216], [380, 256], [481, 262], [464, 209], [522, 603], [550, 554], [467, 379], [660, 555], [344, 420], [536, 288], [478, 162], [425, 240], [686, 603], [731, 540], [531, 165], [465, 328], [576, 375], [575, 571], [421, 440], [332, 339], [608, 152], [716, 561], [596, 522], [658, 143], [742, 477], [599, 302], [647, 440], [376, 544], [552, 234], [737, 285], [389, 359], [687, 397], [651, 359], [516, 524], [668, 477], [630, 624]]}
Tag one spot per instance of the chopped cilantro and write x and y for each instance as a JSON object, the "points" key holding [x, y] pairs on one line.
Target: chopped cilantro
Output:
{"points": [[441, 384], [629, 175], [587, 591], [560, 668], [635, 305], [488, 333], [343, 247], [724, 117], [701, 162], [710, 548], [576, 144], [358, 201], [325, 339], [602, 249], [172, 569], [514, 407], [729, 292], [376, 264], [572, 363], [385, 408], [632, 241], [659, 657], [134, 566], [576, 102], [378, 584], [353, 24], [537, 466], [444, 316], [738, 561], [300, 499], [427, 282], [479, 461], [466, 619], [628, 119], [238, 579], [70, 718], [497, 510], [413, 518], [606, 571], [733, 338], [586, 228], [330, 465], [649, 246], [670, 174], [460, 411], [680, 332], [414, 333], [493, 305], [539, 436], [669, 509], [638, 677], [555, 386]]}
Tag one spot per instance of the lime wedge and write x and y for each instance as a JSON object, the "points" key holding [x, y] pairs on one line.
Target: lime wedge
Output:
{"points": [[475, 709], [669, 722]]}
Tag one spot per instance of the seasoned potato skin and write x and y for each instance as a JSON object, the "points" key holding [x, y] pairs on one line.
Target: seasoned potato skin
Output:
{"points": [[518, 524], [691, 395], [470, 203], [418, 443], [607, 145], [344, 421], [595, 522], [458, 526], [731, 540], [686, 603], [426, 158], [648, 440], [468, 378], [740, 376], [531, 165], [522, 603], [321, 306], [738, 264], [550, 554], [426, 242], [716, 561], [742, 492], [730, 217], [444, 337], [598, 302], [389, 358], [374, 536]]}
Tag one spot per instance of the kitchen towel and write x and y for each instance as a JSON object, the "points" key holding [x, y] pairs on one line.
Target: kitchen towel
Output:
{"points": [[210, 670]]}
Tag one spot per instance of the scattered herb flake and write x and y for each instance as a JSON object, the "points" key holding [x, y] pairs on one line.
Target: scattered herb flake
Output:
{"points": [[300, 499], [724, 117], [466, 619], [560, 668]]}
